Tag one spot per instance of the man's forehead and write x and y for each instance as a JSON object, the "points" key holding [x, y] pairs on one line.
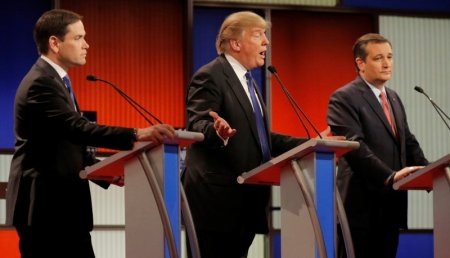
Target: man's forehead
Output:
{"points": [[256, 29], [376, 47]]}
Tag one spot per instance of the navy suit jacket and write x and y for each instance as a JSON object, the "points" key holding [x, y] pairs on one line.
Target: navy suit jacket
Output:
{"points": [[355, 112], [216, 200], [44, 188]]}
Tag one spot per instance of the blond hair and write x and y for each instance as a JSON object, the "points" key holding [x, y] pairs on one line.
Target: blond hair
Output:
{"points": [[233, 26]]}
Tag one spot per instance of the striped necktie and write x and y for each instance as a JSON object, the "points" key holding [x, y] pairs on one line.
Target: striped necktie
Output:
{"points": [[387, 112]]}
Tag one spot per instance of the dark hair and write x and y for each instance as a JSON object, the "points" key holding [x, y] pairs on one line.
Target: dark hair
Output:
{"points": [[53, 23], [359, 48]]}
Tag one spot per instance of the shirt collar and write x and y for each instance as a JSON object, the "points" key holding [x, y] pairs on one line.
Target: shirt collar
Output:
{"points": [[61, 72], [237, 67], [375, 90]]}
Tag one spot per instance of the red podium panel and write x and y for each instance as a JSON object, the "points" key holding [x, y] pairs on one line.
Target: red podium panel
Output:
{"points": [[269, 172], [436, 177], [423, 178]]}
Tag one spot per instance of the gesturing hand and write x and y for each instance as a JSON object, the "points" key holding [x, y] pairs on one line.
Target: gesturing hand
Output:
{"points": [[222, 127]]}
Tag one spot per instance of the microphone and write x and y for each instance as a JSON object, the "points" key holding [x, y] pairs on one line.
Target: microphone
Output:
{"points": [[130, 101], [294, 104], [438, 109]]}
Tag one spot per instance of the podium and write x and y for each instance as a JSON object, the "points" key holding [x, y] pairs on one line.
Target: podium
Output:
{"points": [[436, 177], [306, 175], [153, 195]]}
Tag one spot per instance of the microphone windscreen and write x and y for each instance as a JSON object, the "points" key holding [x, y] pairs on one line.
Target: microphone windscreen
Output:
{"points": [[271, 69], [91, 78], [418, 89]]}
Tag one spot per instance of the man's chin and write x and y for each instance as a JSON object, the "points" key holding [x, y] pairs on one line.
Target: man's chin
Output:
{"points": [[261, 63], [81, 62]]}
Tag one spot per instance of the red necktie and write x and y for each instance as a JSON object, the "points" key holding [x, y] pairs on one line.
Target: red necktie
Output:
{"points": [[385, 105]]}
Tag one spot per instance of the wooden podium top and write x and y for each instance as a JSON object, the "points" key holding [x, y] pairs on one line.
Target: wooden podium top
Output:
{"points": [[422, 179], [114, 165], [269, 172]]}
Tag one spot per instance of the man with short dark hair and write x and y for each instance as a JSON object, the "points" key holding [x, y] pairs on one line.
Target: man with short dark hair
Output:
{"points": [[367, 111], [47, 202]]}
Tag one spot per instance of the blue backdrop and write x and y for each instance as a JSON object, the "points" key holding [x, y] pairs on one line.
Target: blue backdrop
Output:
{"points": [[18, 52], [402, 5]]}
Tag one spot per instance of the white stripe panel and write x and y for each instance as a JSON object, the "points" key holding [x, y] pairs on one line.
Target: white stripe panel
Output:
{"points": [[421, 49], [5, 162], [258, 247], [108, 205], [108, 243], [279, 2]]}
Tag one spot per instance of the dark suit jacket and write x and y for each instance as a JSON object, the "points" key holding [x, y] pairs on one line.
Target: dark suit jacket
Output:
{"points": [[44, 189], [217, 201], [355, 112]]}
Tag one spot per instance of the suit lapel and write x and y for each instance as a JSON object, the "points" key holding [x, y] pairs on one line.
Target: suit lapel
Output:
{"points": [[235, 85], [73, 102], [375, 105], [51, 71]]}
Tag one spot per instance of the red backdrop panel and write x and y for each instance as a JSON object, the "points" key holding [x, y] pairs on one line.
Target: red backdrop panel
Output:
{"points": [[137, 45], [9, 243], [313, 55]]}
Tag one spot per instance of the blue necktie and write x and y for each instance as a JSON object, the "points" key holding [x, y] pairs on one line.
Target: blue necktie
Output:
{"points": [[69, 87], [260, 125]]}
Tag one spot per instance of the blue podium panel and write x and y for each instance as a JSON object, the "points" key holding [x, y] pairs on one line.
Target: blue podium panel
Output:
{"points": [[171, 193], [325, 196]]}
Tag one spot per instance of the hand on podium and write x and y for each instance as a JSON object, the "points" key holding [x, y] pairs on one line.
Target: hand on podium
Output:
{"points": [[155, 133], [406, 171]]}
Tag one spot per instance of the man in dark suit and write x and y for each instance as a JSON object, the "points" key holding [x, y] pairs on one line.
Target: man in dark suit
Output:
{"points": [[47, 202], [388, 150], [221, 105]]}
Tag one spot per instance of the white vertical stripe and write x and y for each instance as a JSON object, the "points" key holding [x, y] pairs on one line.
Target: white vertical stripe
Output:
{"points": [[5, 162], [108, 243], [257, 248], [108, 205], [279, 2], [421, 49]]}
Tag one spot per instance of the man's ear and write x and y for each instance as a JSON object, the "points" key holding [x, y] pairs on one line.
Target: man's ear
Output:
{"points": [[360, 63], [235, 45], [53, 44]]}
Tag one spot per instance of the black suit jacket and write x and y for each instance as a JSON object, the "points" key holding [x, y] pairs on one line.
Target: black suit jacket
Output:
{"points": [[355, 112], [217, 201], [44, 188]]}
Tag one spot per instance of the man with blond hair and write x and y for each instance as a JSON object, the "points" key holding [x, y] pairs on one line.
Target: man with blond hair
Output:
{"points": [[225, 105]]}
